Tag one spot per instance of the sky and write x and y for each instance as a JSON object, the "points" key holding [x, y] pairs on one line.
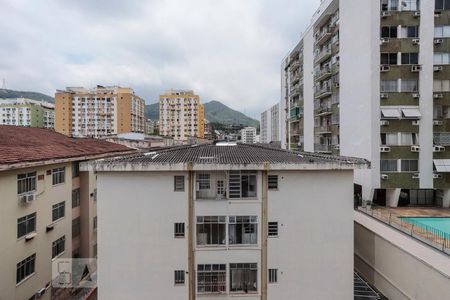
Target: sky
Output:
{"points": [[225, 50]]}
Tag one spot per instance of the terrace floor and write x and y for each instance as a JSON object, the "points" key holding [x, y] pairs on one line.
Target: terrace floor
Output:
{"points": [[416, 211]]}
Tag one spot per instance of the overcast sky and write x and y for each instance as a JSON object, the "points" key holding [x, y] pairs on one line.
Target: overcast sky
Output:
{"points": [[226, 50]]}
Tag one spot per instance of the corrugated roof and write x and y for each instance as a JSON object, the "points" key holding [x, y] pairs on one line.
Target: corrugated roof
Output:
{"points": [[230, 154], [20, 144]]}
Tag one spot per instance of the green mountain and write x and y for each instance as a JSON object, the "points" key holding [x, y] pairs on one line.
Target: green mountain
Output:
{"points": [[215, 112], [4, 93]]}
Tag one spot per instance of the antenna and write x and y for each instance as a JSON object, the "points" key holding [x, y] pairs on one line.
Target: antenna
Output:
{"points": [[4, 83]]}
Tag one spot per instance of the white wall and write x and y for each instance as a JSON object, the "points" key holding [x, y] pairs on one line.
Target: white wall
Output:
{"points": [[308, 89]]}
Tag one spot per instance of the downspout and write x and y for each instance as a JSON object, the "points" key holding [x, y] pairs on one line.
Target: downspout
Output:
{"points": [[190, 226], [264, 228]]}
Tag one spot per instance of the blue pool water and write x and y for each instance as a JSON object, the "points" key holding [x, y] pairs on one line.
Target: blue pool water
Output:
{"points": [[442, 224]]}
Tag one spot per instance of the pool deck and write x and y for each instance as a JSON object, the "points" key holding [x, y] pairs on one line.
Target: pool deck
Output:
{"points": [[416, 211]]}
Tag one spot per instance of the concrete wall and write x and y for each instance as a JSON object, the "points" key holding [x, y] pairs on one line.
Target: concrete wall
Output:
{"points": [[308, 89], [396, 273]]}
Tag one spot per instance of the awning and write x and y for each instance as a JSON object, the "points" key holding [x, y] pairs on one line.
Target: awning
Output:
{"points": [[392, 113], [442, 165], [411, 113]]}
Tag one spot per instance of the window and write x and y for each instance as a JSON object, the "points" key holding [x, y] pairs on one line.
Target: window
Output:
{"points": [[26, 225], [410, 5], [178, 183], [389, 139], [442, 4], [441, 58], [58, 246], [75, 227], [410, 165], [272, 229], [242, 230], [389, 31], [220, 187], [58, 175], [388, 58], [25, 268], [410, 85], [58, 211], [179, 277], [75, 169], [179, 230], [243, 277], [26, 183], [94, 221], [211, 230], [410, 31], [273, 275], [242, 184], [408, 139], [410, 58], [203, 181], [272, 182], [442, 31], [211, 278], [441, 85], [389, 86], [388, 165], [389, 5], [75, 198]]}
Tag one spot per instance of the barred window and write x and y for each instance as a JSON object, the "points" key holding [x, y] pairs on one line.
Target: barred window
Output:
{"points": [[179, 230], [211, 278], [58, 175], [243, 230], [273, 275], [272, 182], [272, 229], [25, 268], [178, 183], [203, 181], [179, 277], [26, 225], [58, 210], [58, 246], [243, 277], [26, 183]]}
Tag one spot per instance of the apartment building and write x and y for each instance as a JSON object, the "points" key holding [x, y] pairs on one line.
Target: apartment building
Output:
{"points": [[151, 126], [27, 112], [380, 91], [99, 111], [248, 135], [222, 222], [270, 125], [48, 206], [181, 115]]}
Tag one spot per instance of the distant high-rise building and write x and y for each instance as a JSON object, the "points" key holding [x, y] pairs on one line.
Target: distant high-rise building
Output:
{"points": [[100, 111], [181, 115], [270, 125], [248, 135], [150, 126], [27, 112]]}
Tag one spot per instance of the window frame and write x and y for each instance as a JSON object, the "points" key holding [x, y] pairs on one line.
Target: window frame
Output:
{"points": [[76, 197], [246, 271], [178, 183], [388, 165], [179, 277], [179, 230], [27, 184], [217, 275], [57, 208], [205, 225], [272, 182], [273, 229], [27, 263], [58, 247], [28, 226], [244, 223], [58, 176]]}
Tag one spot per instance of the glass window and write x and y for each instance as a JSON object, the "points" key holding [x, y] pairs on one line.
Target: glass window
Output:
{"points": [[26, 183], [243, 230], [211, 230], [410, 165], [58, 246], [389, 86], [388, 58], [389, 5], [389, 139], [273, 275], [76, 227], [211, 278], [203, 181], [26, 225], [179, 277], [75, 198], [441, 85], [179, 229], [25, 268], [243, 277], [441, 58], [410, 85], [58, 210], [242, 184], [410, 58], [410, 5], [58, 175], [178, 183], [272, 229], [388, 165], [272, 182]]}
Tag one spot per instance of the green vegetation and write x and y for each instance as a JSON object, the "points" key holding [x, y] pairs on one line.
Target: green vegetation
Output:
{"points": [[4, 93]]}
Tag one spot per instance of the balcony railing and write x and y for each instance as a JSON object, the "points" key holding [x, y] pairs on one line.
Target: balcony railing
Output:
{"points": [[324, 35], [325, 110], [322, 147], [323, 129], [322, 56], [323, 73], [323, 92], [295, 78]]}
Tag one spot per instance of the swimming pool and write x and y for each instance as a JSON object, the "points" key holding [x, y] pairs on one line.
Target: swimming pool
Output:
{"points": [[441, 224]]}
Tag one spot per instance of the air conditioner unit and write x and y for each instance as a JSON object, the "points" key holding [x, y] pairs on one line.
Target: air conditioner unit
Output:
{"points": [[384, 40], [385, 149], [438, 148], [416, 68], [416, 176], [415, 148], [437, 68], [27, 198], [384, 96], [384, 122], [384, 176], [436, 176], [385, 14], [416, 41], [415, 123], [438, 122], [385, 68], [416, 95], [438, 41], [438, 95], [417, 13]]}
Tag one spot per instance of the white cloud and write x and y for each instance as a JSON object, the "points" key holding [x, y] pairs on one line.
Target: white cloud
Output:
{"points": [[227, 50]]}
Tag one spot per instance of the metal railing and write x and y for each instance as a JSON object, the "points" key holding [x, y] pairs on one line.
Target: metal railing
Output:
{"points": [[433, 237]]}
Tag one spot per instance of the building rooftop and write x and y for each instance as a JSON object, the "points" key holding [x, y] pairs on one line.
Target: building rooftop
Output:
{"points": [[19, 145], [243, 155]]}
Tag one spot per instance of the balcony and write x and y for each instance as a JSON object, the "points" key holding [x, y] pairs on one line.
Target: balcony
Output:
{"points": [[323, 92], [324, 36], [322, 111], [295, 78], [324, 148], [295, 65], [323, 74], [295, 91], [322, 56], [326, 129]]}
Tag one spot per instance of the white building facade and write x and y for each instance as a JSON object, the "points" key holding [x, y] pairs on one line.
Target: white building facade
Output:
{"points": [[271, 124], [248, 135], [370, 80], [194, 228]]}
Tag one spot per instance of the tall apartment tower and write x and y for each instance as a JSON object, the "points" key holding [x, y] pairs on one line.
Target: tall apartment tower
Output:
{"points": [[97, 112], [371, 79], [181, 115], [270, 125], [27, 112], [248, 135]]}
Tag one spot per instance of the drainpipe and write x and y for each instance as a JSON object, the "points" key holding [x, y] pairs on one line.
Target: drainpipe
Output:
{"points": [[190, 226], [264, 228]]}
